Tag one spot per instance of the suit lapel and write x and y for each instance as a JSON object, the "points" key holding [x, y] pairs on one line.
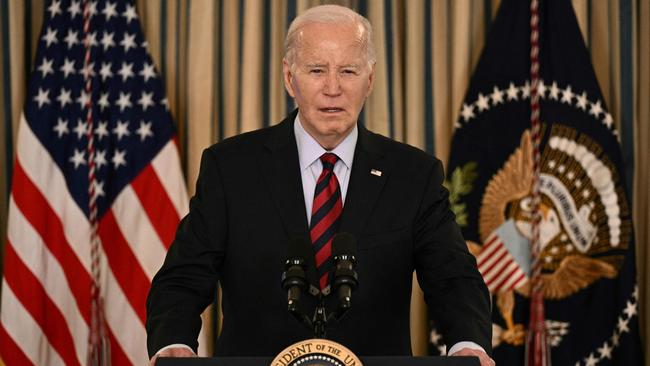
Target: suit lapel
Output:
{"points": [[369, 173], [281, 171]]}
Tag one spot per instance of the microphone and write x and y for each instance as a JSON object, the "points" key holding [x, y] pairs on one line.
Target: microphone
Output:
{"points": [[294, 280], [344, 250]]}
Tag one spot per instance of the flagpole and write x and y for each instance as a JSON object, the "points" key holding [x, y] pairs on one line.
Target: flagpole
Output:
{"points": [[98, 346], [537, 353]]}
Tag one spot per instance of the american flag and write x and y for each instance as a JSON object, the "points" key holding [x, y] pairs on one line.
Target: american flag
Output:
{"points": [[139, 189], [500, 270]]}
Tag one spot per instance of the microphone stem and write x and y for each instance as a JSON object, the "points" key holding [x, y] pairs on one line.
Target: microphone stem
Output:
{"points": [[320, 320]]}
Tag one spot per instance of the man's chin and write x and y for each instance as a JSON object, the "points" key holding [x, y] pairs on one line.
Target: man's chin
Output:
{"points": [[333, 121], [336, 130]]}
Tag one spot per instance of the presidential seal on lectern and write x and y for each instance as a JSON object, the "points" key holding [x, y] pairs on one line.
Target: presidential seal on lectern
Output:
{"points": [[316, 352]]}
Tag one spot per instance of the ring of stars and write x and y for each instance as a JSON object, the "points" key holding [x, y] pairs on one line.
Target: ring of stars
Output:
{"points": [[552, 92], [622, 326]]}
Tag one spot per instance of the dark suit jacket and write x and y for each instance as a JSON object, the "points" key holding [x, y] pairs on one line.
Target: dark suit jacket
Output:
{"points": [[249, 201]]}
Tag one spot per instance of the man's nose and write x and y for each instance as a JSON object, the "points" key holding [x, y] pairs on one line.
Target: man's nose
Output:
{"points": [[332, 85]]}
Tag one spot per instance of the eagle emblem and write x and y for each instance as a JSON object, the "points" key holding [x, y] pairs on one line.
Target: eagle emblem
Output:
{"points": [[584, 229]]}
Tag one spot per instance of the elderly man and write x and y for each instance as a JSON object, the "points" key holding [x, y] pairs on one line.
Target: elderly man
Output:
{"points": [[317, 173]]}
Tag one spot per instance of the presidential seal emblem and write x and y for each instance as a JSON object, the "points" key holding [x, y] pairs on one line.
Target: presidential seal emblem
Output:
{"points": [[316, 352], [585, 225]]}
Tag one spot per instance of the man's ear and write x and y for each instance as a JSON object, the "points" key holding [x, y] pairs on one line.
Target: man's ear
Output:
{"points": [[288, 77], [371, 79]]}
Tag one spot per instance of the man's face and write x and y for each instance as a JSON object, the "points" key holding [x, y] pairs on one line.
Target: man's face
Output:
{"points": [[330, 80]]}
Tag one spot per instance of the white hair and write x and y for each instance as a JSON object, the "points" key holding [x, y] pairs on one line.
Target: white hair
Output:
{"points": [[329, 14]]}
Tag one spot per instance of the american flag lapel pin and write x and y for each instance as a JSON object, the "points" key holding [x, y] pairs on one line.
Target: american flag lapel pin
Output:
{"points": [[375, 172]]}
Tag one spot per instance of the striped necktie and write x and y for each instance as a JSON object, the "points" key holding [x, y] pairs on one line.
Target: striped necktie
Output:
{"points": [[325, 215]]}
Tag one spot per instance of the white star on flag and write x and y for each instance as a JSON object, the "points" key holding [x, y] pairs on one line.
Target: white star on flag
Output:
{"points": [[605, 351], [147, 72], [623, 325], [497, 96], [88, 70], [78, 158], [124, 101], [554, 91], [482, 102], [91, 39], [81, 129], [146, 100], [435, 336], [46, 67], [608, 120], [93, 8], [99, 189], [595, 109], [83, 100], [100, 159], [567, 95], [54, 8], [541, 89], [130, 13], [467, 112], [61, 127], [109, 10], [630, 309], [122, 129], [144, 130], [512, 92], [67, 68], [128, 42], [107, 40], [103, 101], [71, 39], [525, 90], [118, 158], [50, 37], [64, 97], [126, 71], [105, 71], [42, 97], [102, 130], [74, 9], [581, 101], [591, 360]]}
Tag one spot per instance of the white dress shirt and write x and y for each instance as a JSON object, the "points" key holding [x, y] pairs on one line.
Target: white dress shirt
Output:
{"points": [[309, 153]]}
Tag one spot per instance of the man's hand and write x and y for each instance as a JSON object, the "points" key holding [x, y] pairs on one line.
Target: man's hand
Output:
{"points": [[482, 356], [174, 352]]}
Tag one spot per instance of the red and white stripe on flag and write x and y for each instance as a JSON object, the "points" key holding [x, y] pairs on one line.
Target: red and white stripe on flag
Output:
{"points": [[139, 193], [46, 286], [498, 267]]}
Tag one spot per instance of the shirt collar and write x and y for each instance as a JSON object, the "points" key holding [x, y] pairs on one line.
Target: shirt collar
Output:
{"points": [[309, 150]]}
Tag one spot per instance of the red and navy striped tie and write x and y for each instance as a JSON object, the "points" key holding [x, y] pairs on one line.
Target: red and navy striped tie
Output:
{"points": [[325, 214]]}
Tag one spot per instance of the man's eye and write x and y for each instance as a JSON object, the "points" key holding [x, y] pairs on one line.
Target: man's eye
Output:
{"points": [[316, 71], [349, 71]]}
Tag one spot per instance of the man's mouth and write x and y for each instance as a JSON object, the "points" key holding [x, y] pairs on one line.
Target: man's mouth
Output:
{"points": [[331, 110]]}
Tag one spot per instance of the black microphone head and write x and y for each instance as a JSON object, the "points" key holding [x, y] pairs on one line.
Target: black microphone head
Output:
{"points": [[344, 244], [298, 249], [344, 250]]}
